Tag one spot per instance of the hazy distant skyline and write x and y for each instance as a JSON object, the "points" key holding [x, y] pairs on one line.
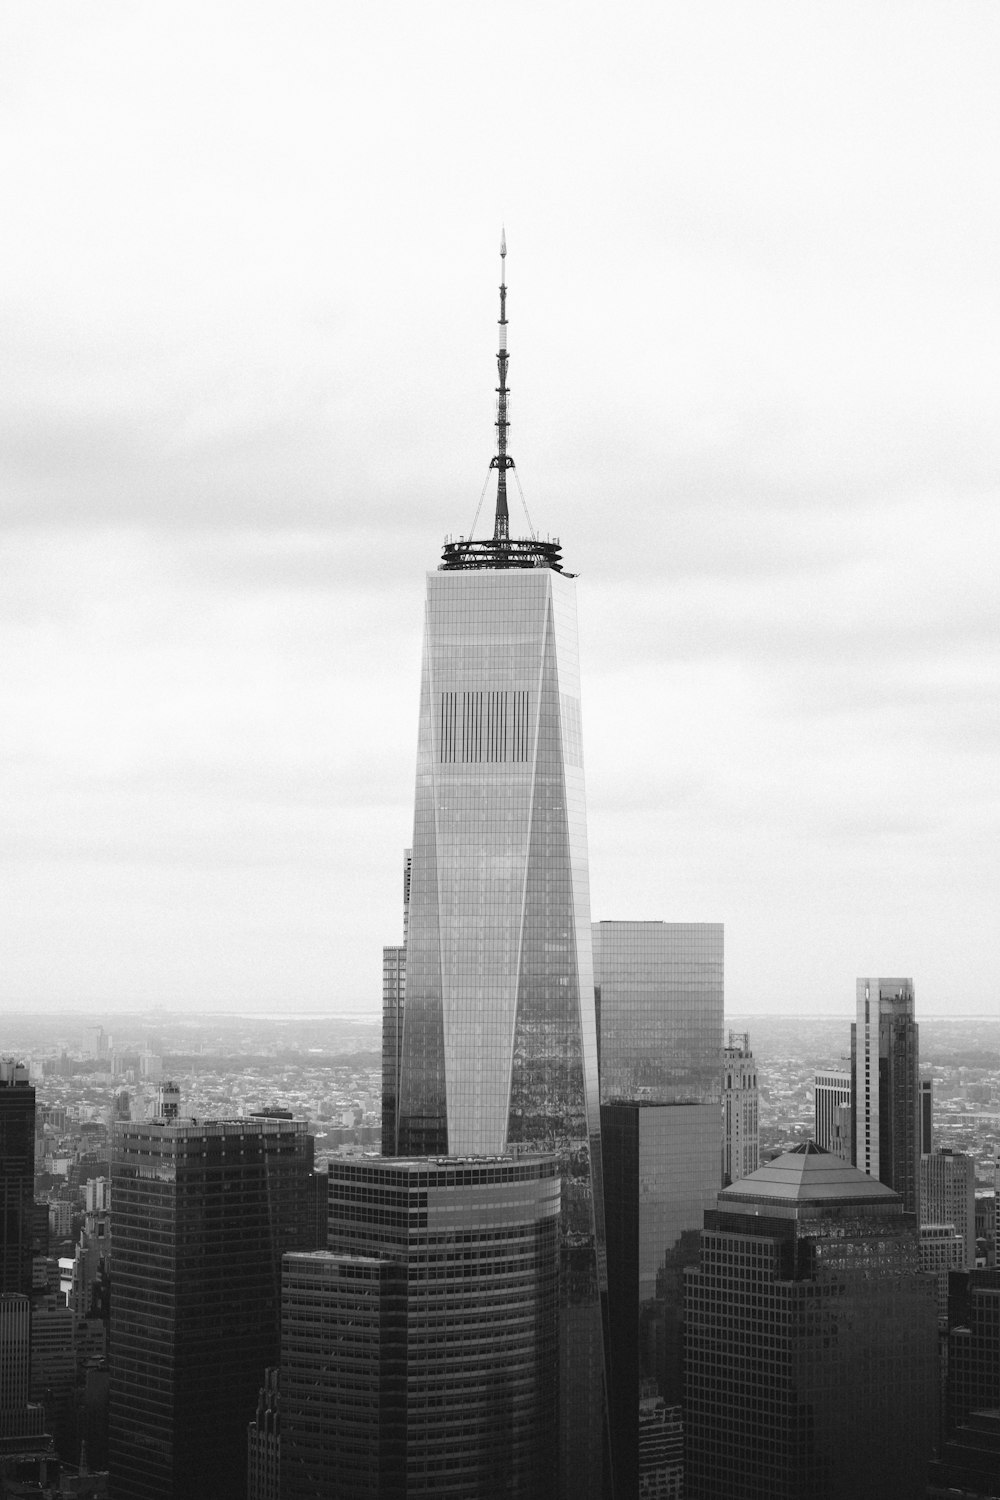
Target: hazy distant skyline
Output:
{"points": [[248, 297]]}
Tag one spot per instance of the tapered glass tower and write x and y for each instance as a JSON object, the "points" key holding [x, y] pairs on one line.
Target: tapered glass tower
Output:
{"points": [[499, 1044]]}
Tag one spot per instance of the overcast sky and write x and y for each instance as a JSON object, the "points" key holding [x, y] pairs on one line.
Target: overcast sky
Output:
{"points": [[248, 299]]}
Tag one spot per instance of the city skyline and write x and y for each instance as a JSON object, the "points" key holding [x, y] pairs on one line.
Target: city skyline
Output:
{"points": [[250, 314]]}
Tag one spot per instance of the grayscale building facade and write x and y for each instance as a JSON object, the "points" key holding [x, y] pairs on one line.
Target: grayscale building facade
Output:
{"points": [[885, 1086], [17, 1176], [201, 1213], [419, 1353], [740, 1109], [832, 1127], [660, 1002], [498, 1047], [811, 1340], [948, 1196]]}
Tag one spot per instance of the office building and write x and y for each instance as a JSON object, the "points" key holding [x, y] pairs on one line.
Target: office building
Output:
{"points": [[661, 1172], [499, 1043], [659, 989], [948, 1196], [17, 1176], [973, 1346], [740, 1110], [660, 993], [832, 1112], [885, 1086], [264, 1442], [811, 1354], [22, 1421], [419, 1353], [201, 1213], [926, 1116], [941, 1252]]}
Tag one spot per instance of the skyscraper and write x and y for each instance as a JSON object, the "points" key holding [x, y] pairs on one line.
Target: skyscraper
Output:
{"points": [[811, 1341], [832, 1112], [419, 1353], [740, 1109], [17, 1176], [499, 1045], [201, 1213], [948, 1196], [660, 1006], [885, 1086]]}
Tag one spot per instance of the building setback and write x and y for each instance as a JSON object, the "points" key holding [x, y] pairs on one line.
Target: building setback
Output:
{"points": [[201, 1213], [419, 1353], [885, 1086], [948, 1196], [740, 1110], [811, 1355]]}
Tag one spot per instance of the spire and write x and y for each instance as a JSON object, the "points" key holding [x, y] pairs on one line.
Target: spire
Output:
{"points": [[503, 461], [502, 550]]}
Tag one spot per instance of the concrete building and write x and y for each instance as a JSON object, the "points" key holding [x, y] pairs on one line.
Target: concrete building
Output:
{"points": [[832, 1127], [740, 1110], [948, 1196]]}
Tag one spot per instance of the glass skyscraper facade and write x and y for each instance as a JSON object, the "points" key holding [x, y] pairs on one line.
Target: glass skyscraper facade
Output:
{"points": [[201, 1213], [420, 1352], [499, 1044], [811, 1340], [17, 1176], [660, 1002], [885, 1086]]}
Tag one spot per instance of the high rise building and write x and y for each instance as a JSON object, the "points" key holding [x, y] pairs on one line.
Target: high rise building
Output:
{"points": [[264, 1441], [201, 1213], [926, 1116], [811, 1354], [832, 1110], [973, 1346], [419, 1353], [17, 1176], [948, 1196], [659, 988], [499, 1044], [740, 1109], [21, 1421], [885, 1086], [393, 1002], [941, 1252]]}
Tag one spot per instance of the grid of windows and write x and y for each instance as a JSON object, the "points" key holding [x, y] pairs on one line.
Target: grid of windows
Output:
{"points": [[419, 1354]]}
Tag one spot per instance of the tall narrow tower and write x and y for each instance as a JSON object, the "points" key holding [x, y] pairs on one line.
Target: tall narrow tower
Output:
{"points": [[885, 1085], [499, 1044]]}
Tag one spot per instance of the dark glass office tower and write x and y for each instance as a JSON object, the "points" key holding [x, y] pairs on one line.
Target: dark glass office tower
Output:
{"points": [[499, 1045], [17, 1176], [660, 993], [811, 1357], [201, 1213], [885, 1086], [419, 1354]]}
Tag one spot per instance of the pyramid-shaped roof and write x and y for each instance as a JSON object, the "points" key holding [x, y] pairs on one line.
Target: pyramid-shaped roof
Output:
{"points": [[807, 1174]]}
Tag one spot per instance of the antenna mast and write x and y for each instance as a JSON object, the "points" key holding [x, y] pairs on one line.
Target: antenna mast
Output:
{"points": [[503, 461], [501, 550]]}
